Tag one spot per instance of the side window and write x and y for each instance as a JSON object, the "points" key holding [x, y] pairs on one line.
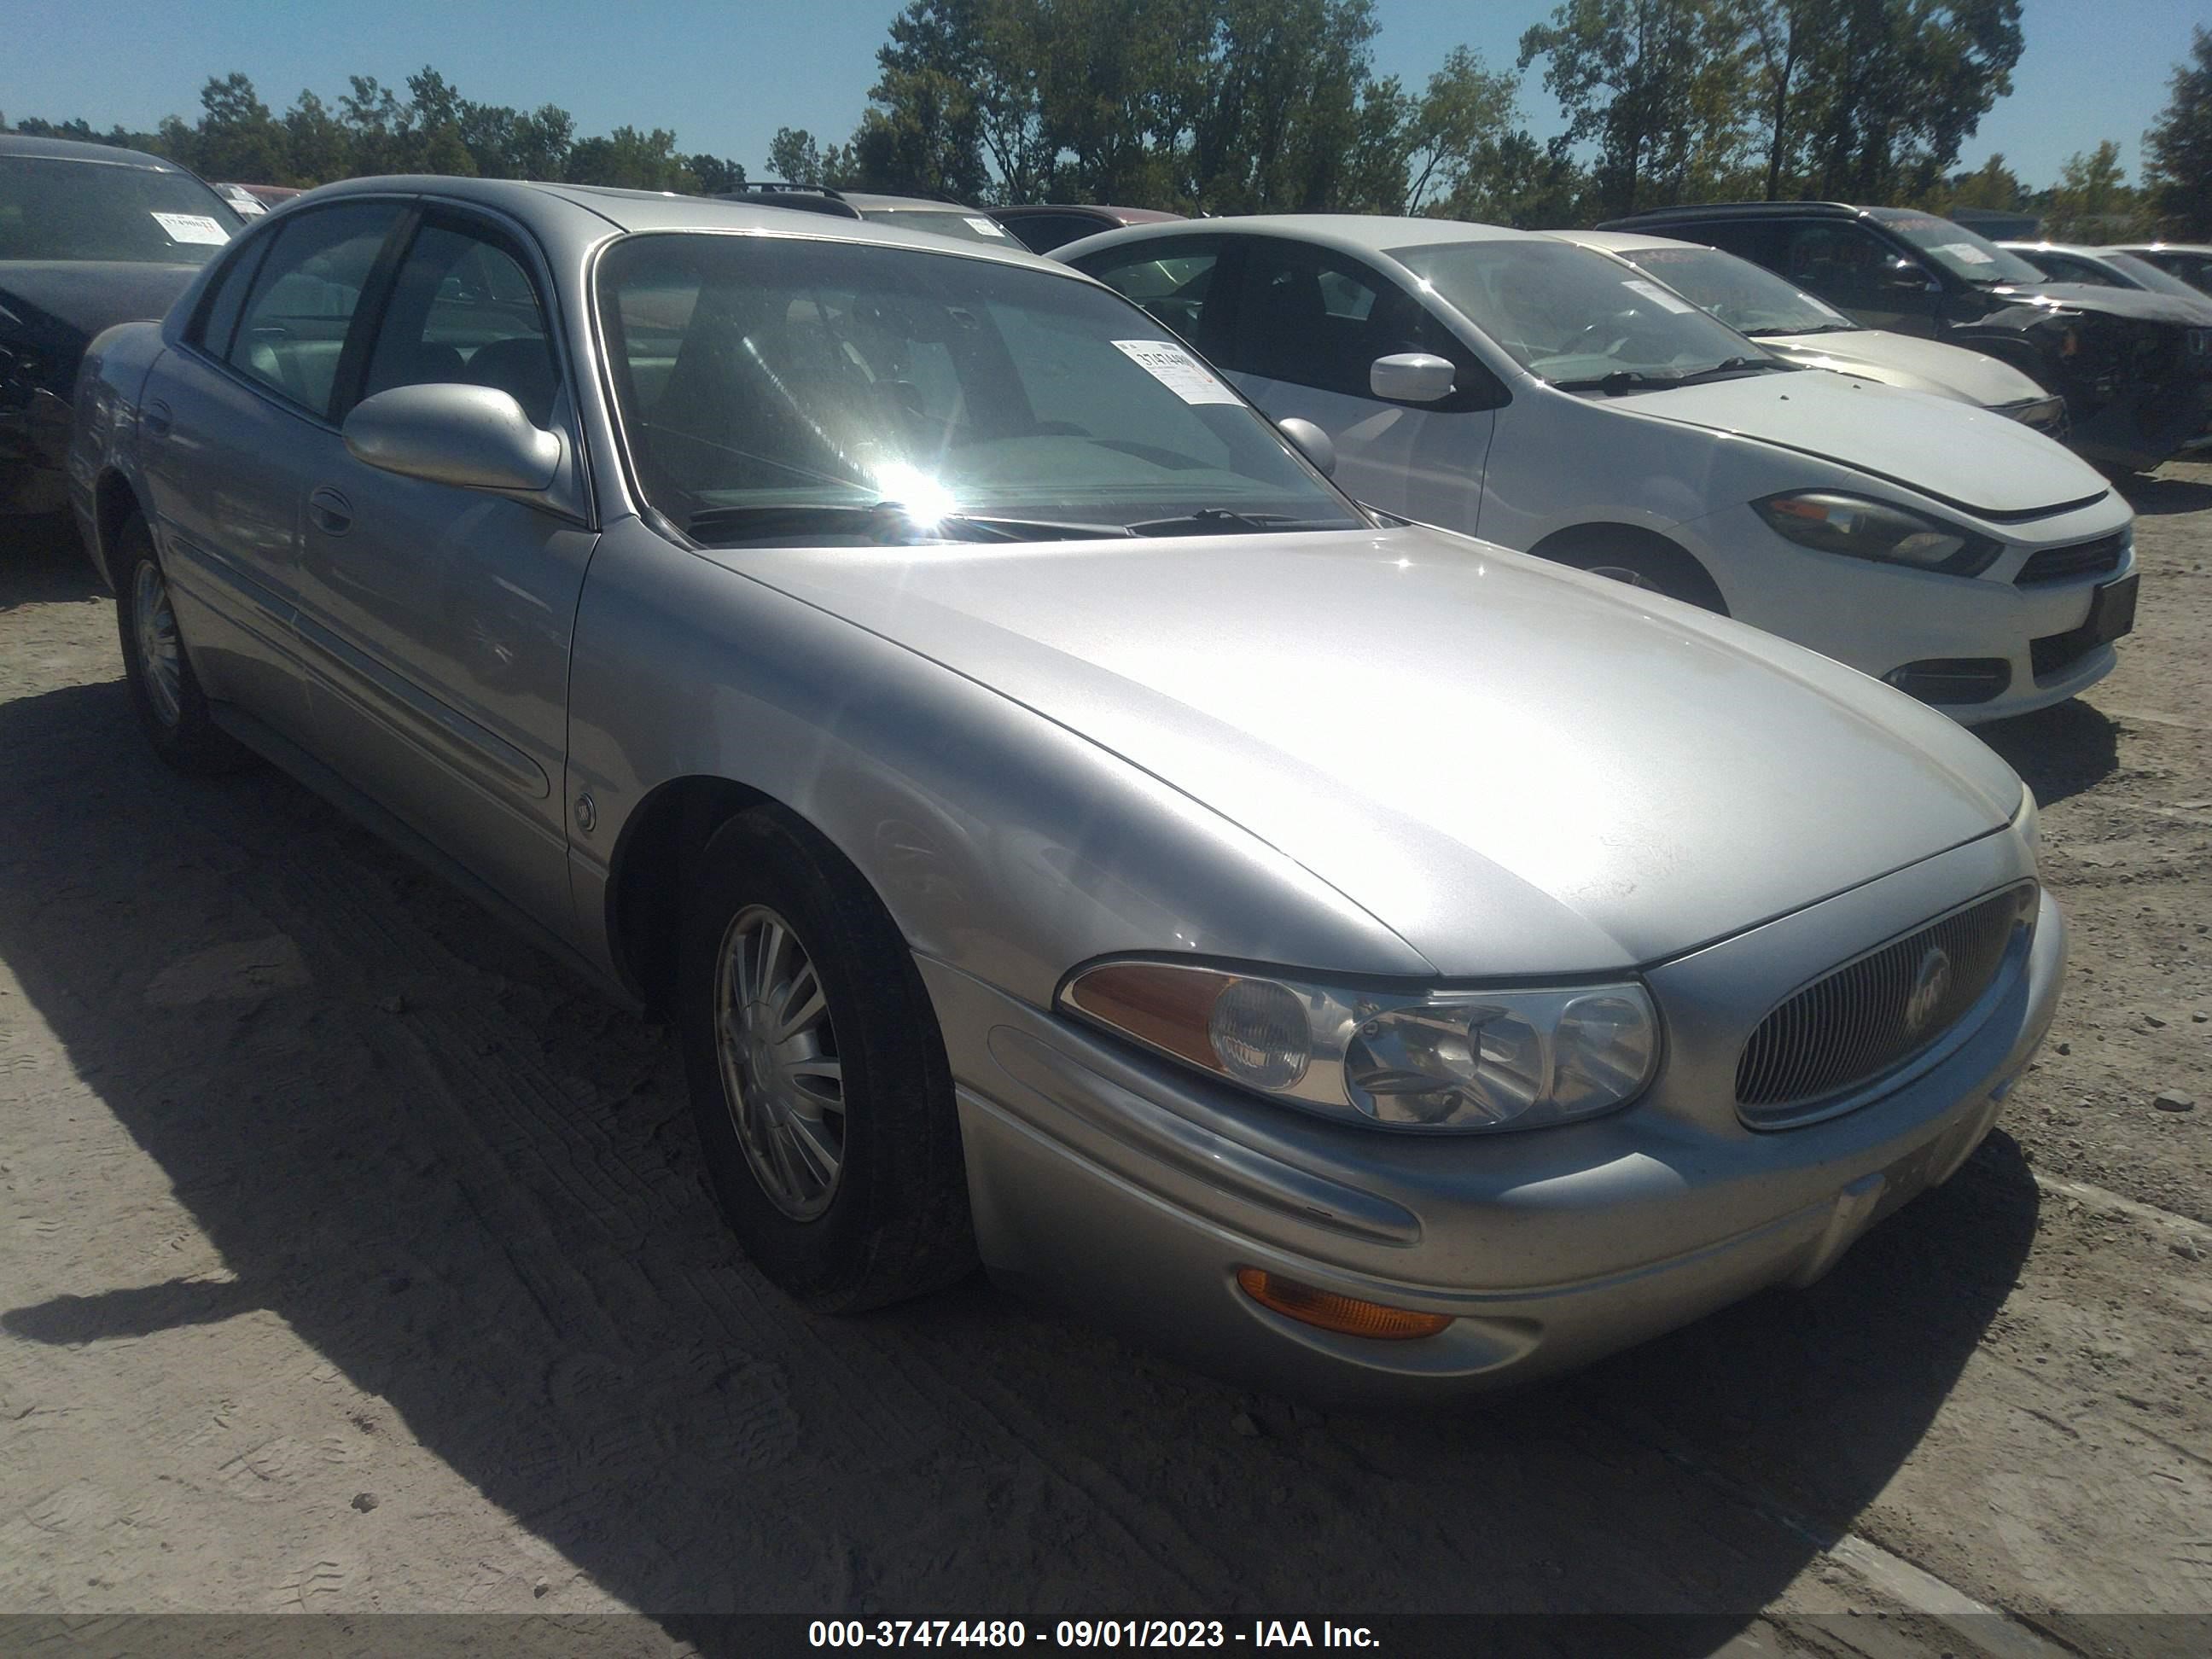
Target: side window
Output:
{"points": [[463, 309], [2063, 269], [1043, 232], [1763, 241], [300, 308], [1172, 279], [1837, 259], [226, 299], [1319, 318]]}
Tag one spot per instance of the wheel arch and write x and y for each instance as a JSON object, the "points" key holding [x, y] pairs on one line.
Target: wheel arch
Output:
{"points": [[1579, 543], [655, 853], [114, 498]]}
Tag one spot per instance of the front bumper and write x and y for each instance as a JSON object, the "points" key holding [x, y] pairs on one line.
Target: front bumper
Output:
{"points": [[1135, 1191], [1882, 617]]}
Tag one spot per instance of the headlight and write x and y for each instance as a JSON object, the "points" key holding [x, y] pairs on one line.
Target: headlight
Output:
{"points": [[2028, 822], [2040, 413], [1863, 529], [1465, 1060]]}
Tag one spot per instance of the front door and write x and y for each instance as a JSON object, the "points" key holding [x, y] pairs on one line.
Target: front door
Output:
{"points": [[1306, 327], [1874, 280], [438, 619]]}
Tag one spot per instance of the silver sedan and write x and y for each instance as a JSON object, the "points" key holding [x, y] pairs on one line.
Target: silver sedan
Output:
{"points": [[1068, 832]]}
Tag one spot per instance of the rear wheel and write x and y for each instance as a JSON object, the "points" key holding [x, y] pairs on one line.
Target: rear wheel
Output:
{"points": [[172, 710], [818, 1078]]}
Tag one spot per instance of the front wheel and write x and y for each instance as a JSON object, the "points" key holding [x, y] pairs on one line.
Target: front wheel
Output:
{"points": [[172, 710], [818, 1078], [1649, 566]]}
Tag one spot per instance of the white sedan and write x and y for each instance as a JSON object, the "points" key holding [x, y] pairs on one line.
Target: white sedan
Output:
{"points": [[1538, 394]]}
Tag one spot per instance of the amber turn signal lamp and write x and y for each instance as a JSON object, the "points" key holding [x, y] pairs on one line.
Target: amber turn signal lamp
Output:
{"points": [[1345, 1315]]}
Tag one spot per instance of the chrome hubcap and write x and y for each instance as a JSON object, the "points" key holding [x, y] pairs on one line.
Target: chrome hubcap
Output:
{"points": [[160, 652], [781, 1078], [1622, 574]]}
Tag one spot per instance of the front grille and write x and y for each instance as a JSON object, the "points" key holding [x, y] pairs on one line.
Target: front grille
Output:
{"points": [[2054, 653], [2058, 564], [1870, 1016]]}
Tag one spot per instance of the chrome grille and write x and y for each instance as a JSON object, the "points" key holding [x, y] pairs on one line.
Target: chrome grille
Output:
{"points": [[1869, 1016], [2058, 564]]}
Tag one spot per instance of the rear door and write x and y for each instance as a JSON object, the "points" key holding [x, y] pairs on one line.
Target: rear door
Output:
{"points": [[1303, 330], [235, 427], [437, 619]]}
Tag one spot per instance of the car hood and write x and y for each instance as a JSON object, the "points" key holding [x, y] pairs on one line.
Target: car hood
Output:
{"points": [[1967, 458], [1902, 360], [1518, 768], [2138, 304], [58, 305]]}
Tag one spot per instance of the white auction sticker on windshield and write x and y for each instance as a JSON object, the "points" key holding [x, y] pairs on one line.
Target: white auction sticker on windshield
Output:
{"points": [[985, 227], [190, 227], [1659, 296], [1177, 370], [1966, 251]]}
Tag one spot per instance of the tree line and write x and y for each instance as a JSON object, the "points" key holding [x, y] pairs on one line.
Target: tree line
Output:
{"points": [[1272, 106]]}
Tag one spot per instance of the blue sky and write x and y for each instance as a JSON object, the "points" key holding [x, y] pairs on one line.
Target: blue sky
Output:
{"points": [[726, 76]]}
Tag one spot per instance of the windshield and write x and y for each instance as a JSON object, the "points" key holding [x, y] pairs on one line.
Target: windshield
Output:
{"points": [[785, 389], [1748, 298], [2145, 275], [64, 208], [951, 221], [1576, 316], [1960, 251]]}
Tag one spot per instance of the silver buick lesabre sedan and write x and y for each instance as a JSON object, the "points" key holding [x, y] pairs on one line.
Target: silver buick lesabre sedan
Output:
{"points": [[1068, 832]]}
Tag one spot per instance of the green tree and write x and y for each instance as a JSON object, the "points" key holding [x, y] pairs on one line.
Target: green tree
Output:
{"points": [[1892, 89], [794, 157], [1658, 85], [237, 137], [2093, 203], [1992, 186], [1467, 110], [2178, 149], [317, 147], [630, 160]]}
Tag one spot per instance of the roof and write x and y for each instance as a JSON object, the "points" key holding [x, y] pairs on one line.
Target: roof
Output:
{"points": [[2018, 246], [567, 212], [2161, 247], [869, 202], [1741, 211], [71, 149], [1119, 216], [1348, 233], [1620, 241]]}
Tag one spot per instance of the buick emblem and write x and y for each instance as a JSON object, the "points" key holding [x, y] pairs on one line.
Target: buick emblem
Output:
{"points": [[1929, 986]]}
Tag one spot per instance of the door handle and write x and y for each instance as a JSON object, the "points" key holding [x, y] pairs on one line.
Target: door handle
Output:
{"points": [[155, 418], [330, 512]]}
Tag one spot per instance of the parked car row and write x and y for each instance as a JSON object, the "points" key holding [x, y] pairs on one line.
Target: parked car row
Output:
{"points": [[1068, 830], [1551, 398]]}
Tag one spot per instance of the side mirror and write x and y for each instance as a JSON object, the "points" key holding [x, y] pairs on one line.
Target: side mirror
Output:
{"points": [[1910, 278], [1411, 377], [1310, 442], [475, 436]]}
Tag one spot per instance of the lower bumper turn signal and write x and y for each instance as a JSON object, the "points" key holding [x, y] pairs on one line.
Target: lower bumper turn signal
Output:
{"points": [[1345, 1315]]}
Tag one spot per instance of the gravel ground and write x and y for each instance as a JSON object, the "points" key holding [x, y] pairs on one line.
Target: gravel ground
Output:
{"points": [[356, 1260]]}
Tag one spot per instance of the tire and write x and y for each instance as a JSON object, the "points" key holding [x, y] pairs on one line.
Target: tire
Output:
{"points": [[1654, 568], [845, 1207], [172, 710]]}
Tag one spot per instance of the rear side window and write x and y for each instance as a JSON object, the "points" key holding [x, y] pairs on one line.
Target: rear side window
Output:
{"points": [[1041, 232], [296, 317]]}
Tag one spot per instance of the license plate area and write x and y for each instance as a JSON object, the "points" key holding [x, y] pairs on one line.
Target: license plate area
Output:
{"points": [[2111, 610]]}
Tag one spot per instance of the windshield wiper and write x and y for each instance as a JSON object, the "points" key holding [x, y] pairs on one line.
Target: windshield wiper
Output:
{"points": [[889, 522], [1818, 328], [1736, 366], [1620, 381], [1222, 521]]}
